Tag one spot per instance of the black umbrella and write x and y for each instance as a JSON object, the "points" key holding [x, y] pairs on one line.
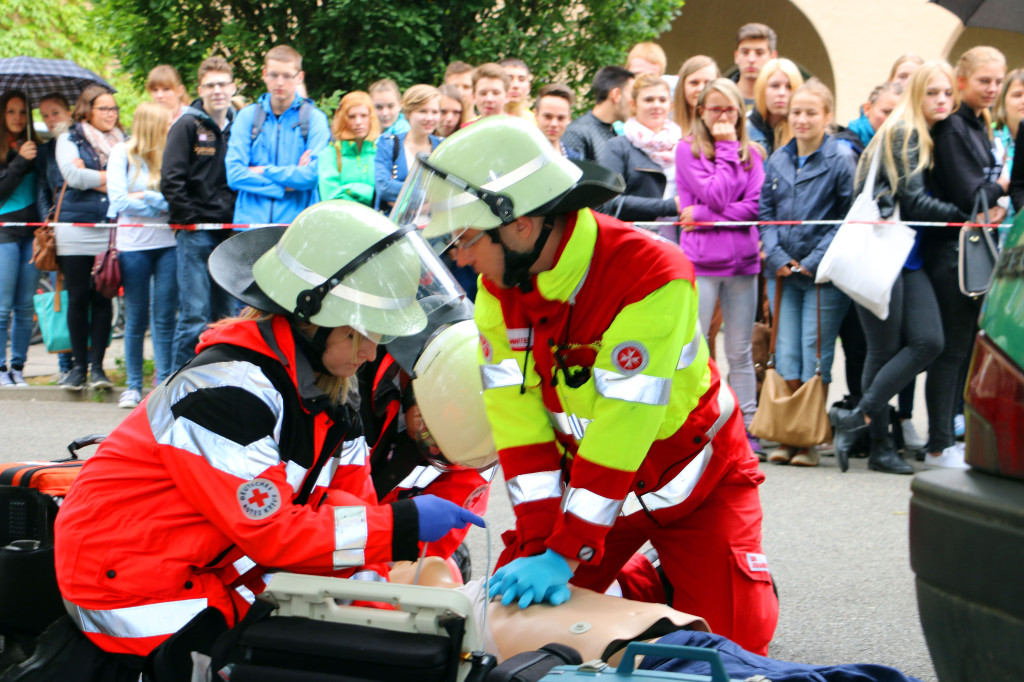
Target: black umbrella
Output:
{"points": [[1005, 15], [39, 77]]}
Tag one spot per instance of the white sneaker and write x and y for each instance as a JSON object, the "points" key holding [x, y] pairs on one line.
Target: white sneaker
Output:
{"points": [[959, 426], [950, 458], [130, 399], [911, 439], [5, 380]]}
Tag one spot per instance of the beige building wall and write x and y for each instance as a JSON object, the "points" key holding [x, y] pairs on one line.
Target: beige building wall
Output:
{"points": [[850, 46]]}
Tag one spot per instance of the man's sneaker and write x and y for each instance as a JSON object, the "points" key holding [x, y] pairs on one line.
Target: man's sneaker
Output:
{"points": [[18, 378], [130, 399], [959, 426], [99, 380], [75, 380], [950, 458], [911, 440], [5, 379], [805, 457]]}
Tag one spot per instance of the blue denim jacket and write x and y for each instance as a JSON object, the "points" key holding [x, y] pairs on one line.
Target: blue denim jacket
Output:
{"points": [[284, 188], [821, 190]]}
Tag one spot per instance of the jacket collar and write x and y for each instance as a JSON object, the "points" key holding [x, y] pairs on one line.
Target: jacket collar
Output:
{"points": [[572, 258]]}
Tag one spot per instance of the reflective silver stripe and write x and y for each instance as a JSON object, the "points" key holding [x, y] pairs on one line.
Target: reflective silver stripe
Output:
{"points": [[244, 461], [541, 485], [420, 477], [151, 620], [690, 350], [499, 184], [639, 388], [591, 507], [246, 593], [350, 536], [295, 473], [679, 488], [244, 565], [354, 452], [569, 424], [368, 576], [501, 375], [341, 291]]}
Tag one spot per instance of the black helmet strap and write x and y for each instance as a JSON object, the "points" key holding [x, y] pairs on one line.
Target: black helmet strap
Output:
{"points": [[309, 301], [518, 264]]}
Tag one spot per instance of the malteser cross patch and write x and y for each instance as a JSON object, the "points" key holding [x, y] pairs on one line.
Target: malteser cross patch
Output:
{"points": [[630, 357]]}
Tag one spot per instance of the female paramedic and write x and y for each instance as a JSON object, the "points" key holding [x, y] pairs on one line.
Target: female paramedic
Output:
{"points": [[248, 459], [612, 424]]}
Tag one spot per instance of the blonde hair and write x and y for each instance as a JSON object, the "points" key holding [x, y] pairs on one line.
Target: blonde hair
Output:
{"points": [[644, 81], [692, 65], [908, 118], [999, 110], [969, 62], [149, 137], [815, 87], [703, 141], [336, 388], [418, 96], [166, 76], [908, 57], [783, 133], [649, 52]]}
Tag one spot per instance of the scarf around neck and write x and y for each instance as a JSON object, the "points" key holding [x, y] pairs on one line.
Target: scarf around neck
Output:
{"points": [[102, 143], [660, 146]]}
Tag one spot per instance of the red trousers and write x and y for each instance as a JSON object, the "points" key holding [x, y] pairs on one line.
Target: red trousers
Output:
{"points": [[710, 549]]}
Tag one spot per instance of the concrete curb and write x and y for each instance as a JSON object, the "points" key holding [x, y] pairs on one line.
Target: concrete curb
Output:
{"points": [[60, 394]]}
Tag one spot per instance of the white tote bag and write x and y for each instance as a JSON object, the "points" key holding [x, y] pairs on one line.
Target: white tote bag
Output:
{"points": [[864, 259]]}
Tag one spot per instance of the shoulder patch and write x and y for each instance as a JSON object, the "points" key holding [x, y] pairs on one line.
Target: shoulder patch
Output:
{"points": [[258, 498], [630, 357], [486, 349]]}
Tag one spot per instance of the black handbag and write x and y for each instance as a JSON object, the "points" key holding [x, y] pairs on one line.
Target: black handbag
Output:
{"points": [[978, 253]]}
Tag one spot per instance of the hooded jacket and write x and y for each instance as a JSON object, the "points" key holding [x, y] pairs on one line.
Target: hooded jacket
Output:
{"points": [[192, 177], [236, 465], [284, 188], [821, 190]]}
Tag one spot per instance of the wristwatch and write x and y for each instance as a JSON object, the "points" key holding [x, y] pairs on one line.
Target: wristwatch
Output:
{"points": [[795, 268]]}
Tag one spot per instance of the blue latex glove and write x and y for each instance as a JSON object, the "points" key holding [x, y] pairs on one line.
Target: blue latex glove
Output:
{"points": [[533, 580], [437, 517]]}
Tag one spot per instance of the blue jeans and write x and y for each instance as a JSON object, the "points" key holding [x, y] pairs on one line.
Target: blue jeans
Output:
{"points": [[17, 285], [795, 347], [138, 268], [200, 300]]}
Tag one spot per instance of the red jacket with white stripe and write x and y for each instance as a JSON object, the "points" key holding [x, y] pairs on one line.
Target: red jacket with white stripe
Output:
{"points": [[235, 466]]}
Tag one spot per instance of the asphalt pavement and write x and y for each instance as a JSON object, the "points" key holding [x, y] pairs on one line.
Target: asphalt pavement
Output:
{"points": [[837, 543]]}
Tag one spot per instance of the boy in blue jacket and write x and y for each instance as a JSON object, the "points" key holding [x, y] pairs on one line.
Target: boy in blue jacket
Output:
{"points": [[274, 143]]}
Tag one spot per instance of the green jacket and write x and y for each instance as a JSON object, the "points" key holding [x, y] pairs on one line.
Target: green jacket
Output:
{"points": [[355, 179]]}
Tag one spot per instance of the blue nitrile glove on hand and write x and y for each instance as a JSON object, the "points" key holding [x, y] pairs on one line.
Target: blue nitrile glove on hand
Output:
{"points": [[437, 517], [533, 580]]}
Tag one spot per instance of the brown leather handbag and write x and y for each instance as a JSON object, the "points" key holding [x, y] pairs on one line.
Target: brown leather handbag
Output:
{"points": [[106, 269], [44, 241], [796, 418]]}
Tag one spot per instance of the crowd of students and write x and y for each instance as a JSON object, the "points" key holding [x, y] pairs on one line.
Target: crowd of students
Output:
{"points": [[693, 149]]}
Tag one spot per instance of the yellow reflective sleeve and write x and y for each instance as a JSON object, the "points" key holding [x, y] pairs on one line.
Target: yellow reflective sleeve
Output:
{"points": [[639, 393], [516, 419]]}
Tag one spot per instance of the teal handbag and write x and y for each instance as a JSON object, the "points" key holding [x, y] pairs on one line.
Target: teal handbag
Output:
{"points": [[52, 312]]}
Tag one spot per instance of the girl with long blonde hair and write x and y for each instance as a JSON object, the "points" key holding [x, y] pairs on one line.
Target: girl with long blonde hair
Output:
{"points": [[148, 255], [768, 121]]}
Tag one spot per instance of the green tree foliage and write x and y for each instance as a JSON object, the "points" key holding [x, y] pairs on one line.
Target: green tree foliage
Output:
{"points": [[63, 29], [347, 44]]}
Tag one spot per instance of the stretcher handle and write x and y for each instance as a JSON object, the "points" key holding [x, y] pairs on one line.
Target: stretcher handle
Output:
{"points": [[709, 656], [85, 441]]}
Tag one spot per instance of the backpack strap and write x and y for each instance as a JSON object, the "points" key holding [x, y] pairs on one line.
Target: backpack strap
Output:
{"points": [[258, 119], [305, 113]]}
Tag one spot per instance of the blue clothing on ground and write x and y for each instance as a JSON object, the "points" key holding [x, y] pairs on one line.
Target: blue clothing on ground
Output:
{"points": [[284, 188], [742, 664]]}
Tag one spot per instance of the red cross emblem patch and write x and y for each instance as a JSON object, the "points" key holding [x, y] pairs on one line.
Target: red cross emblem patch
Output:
{"points": [[630, 357], [258, 498], [486, 348]]}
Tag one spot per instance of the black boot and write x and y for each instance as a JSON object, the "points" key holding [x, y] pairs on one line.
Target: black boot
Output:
{"points": [[885, 458], [847, 426]]}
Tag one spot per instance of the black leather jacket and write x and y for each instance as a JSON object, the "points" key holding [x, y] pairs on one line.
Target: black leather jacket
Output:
{"points": [[645, 183]]}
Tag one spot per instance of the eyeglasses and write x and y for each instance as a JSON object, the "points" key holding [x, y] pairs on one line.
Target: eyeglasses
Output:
{"points": [[271, 76], [462, 244], [718, 111], [107, 110], [222, 85]]}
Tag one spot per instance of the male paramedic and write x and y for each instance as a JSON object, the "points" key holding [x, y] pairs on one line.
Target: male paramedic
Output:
{"points": [[612, 424]]}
